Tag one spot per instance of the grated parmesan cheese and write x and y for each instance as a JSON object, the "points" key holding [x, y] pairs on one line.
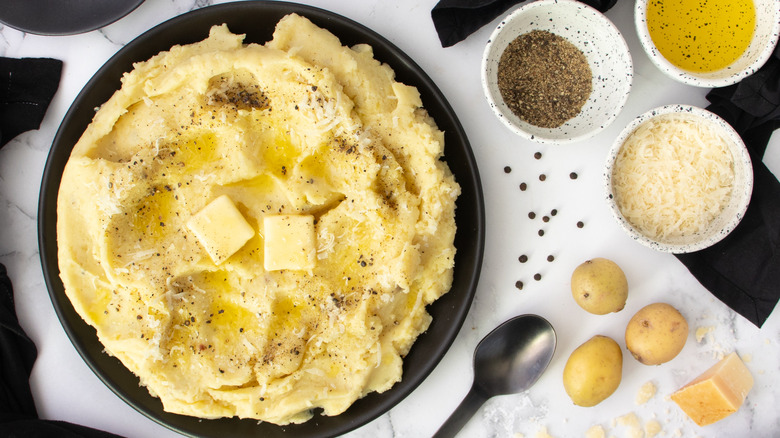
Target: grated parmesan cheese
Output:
{"points": [[672, 177]]}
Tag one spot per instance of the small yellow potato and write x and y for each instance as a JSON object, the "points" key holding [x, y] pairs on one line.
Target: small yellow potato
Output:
{"points": [[599, 286], [593, 371], [656, 334]]}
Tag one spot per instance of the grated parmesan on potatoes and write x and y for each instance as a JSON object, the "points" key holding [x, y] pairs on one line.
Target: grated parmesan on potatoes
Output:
{"points": [[673, 176]]}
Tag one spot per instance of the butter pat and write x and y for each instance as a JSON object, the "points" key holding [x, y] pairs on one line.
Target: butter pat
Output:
{"points": [[717, 393], [289, 242], [220, 228]]}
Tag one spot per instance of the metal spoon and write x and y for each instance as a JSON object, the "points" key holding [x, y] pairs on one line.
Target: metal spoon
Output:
{"points": [[508, 360]]}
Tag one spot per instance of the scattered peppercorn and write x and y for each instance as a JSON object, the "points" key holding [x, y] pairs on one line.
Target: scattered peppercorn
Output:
{"points": [[523, 258], [546, 218], [537, 277], [580, 224], [531, 215], [541, 233], [550, 258], [507, 169], [542, 177], [538, 155], [523, 186], [553, 212], [519, 284], [573, 175]]}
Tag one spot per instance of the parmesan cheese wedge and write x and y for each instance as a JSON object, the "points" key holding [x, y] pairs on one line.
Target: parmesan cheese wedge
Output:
{"points": [[289, 242], [220, 228], [716, 393]]}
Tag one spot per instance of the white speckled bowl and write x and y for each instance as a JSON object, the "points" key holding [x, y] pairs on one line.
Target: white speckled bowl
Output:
{"points": [[758, 52], [728, 218], [592, 33]]}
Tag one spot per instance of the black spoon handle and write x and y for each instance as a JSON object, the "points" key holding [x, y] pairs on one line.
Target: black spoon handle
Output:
{"points": [[467, 408]]}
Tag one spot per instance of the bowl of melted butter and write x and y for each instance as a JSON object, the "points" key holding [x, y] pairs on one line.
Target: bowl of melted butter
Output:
{"points": [[714, 43]]}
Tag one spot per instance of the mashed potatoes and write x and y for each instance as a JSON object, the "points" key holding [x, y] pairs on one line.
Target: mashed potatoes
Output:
{"points": [[255, 231]]}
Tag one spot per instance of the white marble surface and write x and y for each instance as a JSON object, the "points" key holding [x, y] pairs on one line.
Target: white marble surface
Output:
{"points": [[66, 389]]}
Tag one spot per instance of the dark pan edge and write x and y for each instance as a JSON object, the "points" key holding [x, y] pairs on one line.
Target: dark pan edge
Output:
{"points": [[449, 312]]}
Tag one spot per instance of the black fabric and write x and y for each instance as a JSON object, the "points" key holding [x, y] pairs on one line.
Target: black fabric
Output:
{"points": [[26, 88], [455, 20], [18, 416], [743, 270], [18, 354]]}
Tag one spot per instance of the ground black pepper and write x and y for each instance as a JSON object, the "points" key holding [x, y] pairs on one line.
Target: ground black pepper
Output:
{"points": [[544, 79]]}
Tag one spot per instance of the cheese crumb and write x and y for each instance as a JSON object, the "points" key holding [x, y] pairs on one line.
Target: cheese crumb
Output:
{"points": [[542, 433], [652, 428], [701, 332], [596, 431], [631, 421], [646, 392]]}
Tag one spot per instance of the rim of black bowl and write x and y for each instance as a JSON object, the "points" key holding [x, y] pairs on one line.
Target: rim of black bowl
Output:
{"points": [[257, 20]]}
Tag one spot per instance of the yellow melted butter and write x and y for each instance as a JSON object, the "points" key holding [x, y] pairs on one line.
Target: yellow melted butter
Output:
{"points": [[701, 35], [196, 153]]}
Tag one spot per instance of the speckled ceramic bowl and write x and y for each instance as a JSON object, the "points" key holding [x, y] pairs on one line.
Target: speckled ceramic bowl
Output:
{"points": [[592, 33], [730, 215], [764, 40]]}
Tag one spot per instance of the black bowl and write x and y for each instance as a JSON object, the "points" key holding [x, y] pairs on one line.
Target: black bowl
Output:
{"points": [[58, 17], [257, 20]]}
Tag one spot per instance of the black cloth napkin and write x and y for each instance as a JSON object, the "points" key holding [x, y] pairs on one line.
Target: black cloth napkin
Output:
{"points": [[26, 88], [454, 20], [743, 270], [18, 416]]}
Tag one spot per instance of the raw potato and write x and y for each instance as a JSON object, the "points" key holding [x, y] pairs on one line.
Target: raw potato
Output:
{"points": [[593, 371], [599, 286], [656, 334]]}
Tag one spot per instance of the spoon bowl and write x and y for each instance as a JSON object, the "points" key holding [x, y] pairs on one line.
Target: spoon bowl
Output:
{"points": [[509, 360]]}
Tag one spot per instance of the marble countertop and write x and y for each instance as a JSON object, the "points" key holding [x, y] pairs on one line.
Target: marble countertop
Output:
{"points": [[66, 389]]}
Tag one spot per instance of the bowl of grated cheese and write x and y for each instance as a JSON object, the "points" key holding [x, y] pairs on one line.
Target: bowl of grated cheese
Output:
{"points": [[678, 179]]}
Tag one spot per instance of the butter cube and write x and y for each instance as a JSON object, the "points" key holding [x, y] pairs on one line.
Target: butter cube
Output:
{"points": [[220, 228], [716, 393], [290, 242]]}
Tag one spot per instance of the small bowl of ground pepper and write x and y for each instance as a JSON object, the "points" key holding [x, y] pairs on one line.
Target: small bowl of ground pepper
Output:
{"points": [[556, 71]]}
